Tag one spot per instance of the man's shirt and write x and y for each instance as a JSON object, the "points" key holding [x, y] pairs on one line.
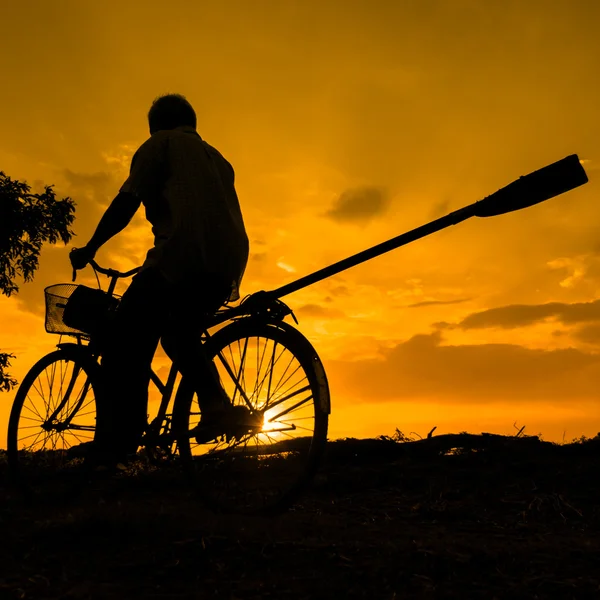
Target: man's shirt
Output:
{"points": [[187, 189]]}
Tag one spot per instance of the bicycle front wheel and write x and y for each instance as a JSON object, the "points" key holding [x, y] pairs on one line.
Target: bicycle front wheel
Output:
{"points": [[54, 409], [273, 370]]}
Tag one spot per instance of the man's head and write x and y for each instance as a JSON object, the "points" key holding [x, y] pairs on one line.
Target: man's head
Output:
{"points": [[170, 111]]}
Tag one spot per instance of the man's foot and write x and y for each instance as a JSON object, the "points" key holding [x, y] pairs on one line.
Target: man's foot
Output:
{"points": [[232, 422]]}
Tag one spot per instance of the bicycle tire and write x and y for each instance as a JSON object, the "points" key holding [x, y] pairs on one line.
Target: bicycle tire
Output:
{"points": [[41, 464], [211, 466]]}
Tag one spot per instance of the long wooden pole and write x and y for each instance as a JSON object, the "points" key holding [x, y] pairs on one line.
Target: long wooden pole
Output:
{"points": [[545, 183]]}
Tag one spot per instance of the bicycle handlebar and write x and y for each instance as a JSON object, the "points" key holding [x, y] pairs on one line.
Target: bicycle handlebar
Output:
{"points": [[113, 272], [109, 272]]}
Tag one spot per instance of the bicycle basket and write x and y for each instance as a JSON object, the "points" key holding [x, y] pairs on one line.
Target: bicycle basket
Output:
{"points": [[77, 309]]}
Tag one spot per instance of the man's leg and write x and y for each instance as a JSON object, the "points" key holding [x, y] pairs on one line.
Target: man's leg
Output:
{"points": [[126, 362], [181, 339]]}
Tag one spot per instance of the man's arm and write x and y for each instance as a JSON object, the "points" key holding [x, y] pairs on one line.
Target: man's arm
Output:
{"points": [[115, 219], [146, 175]]}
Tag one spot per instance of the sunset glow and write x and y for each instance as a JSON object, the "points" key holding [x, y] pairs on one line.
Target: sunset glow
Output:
{"points": [[347, 124]]}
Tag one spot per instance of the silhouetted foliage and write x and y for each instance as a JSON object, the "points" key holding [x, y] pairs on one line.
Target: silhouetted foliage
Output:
{"points": [[26, 222], [6, 381]]}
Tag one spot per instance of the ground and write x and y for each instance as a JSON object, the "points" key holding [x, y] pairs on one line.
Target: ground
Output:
{"points": [[450, 517]]}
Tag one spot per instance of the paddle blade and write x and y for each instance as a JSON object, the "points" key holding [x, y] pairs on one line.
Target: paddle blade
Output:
{"points": [[550, 181]]}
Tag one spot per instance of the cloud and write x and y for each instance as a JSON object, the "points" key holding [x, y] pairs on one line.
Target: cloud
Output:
{"points": [[121, 158], [440, 209], [359, 204], [575, 268], [96, 185], [314, 310], [437, 302], [340, 290], [422, 367], [92, 192], [522, 315], [286, 267], [590, 334]]}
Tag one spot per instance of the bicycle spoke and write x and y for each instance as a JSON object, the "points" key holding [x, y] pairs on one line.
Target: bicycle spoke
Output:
{"points": [[282, 381], [290, 387], [91, 412], [32, 445], [288, 397], [75, 436], [32, 435], [236, 380], [243, 370], [41, 395], [270, 371], [88, 403], [34, 412]]}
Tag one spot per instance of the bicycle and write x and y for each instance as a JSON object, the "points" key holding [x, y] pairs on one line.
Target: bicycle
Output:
{"points": [[231, 470], [263, 363]]}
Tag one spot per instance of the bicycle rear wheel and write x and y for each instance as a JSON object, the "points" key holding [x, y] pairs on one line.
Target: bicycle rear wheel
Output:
{"points": [[273, 370], [54, 409]]}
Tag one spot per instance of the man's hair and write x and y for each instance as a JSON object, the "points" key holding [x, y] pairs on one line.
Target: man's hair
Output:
{"points": [[170, 111]]}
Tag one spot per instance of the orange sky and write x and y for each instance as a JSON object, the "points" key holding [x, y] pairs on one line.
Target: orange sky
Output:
{"points": [[348, 122]]}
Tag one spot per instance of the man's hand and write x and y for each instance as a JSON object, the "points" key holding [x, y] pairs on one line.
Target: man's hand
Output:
{"points": [[80, 257]]}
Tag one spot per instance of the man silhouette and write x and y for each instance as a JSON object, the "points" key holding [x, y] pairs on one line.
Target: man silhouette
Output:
{"points": [[196, 265]]}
